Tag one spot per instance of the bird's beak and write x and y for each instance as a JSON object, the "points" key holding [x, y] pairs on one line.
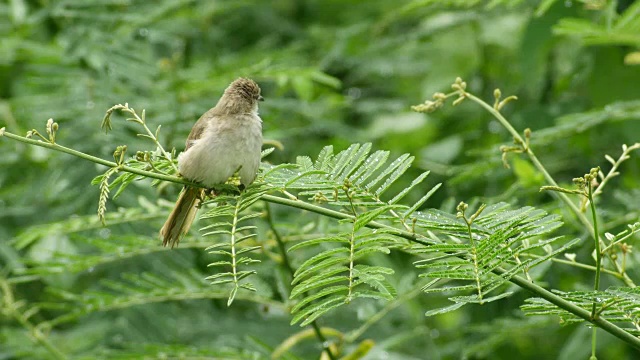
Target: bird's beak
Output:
{"points": [[260, 98]]}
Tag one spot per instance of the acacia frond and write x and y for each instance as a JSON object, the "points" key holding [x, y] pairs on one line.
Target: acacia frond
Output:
{"points": [[502, 238], [332, 277], [138, 289], [619, 305], [78, 224], [233, 222], [367, 175], [103, 252], [354, 180]]}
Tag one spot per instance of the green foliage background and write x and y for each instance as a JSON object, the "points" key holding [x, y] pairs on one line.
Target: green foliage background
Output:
{"points": [[333, 73]]}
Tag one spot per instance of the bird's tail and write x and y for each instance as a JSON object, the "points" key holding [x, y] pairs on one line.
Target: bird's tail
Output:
{"points": [[183, 214]]}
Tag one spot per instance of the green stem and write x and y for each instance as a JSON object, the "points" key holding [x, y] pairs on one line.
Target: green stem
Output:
{"points": [[501, 119], [613, 172], [474, 256], [579, 265], [152, 136], [11, 308], [579, 214], [352, 244], [574, 309], [596, 285], [287, 264], [169, 296], [234, 265], [340, 215], [100, 161], [623, 238], [522, 282], [279, 241]]}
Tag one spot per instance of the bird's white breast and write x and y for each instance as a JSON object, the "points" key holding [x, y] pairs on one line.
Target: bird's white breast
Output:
{"points": [[224, 147]]}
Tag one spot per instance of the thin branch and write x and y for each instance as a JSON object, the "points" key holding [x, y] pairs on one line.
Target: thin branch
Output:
{"points": [[339, 215], [11, 308], [577, 264], [596, 285], [287, 264], [534, 159], [100, 161], [130, 300], [522, 282], [615, 165], [574, 309]]}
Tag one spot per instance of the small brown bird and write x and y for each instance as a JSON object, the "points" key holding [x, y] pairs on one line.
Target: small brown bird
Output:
{"points": [[225, 140]]}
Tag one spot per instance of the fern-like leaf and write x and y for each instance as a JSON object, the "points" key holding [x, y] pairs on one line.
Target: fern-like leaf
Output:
{"points": [[619, 305], [353, 180], [138, 289], [502, 238], [334, 275], [233, 222]]}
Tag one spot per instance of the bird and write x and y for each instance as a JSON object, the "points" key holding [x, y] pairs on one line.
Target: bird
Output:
{"points": [[224, 141]]}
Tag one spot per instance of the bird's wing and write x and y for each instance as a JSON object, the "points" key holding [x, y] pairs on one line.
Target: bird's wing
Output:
{"points": [[198, 128]]}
